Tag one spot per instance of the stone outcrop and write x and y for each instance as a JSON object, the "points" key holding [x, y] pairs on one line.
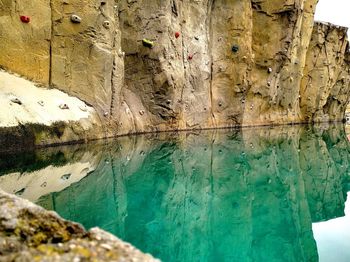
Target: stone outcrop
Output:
{"points": [[30, 233], [326, 83], [207, 63]]}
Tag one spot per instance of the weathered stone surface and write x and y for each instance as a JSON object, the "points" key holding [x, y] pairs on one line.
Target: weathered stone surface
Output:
{"points": [[325, 86], [25, 47], [33, 116], [30, 233], [212, 63]]}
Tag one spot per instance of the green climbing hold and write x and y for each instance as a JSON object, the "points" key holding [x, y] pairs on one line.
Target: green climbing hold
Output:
{"points": [[147, 43]]}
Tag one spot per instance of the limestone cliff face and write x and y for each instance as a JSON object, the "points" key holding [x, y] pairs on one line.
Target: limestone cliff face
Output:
{"points": [[207, 64], [325, 86]]}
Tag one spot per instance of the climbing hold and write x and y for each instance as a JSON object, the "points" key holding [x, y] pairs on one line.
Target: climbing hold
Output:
{"points": [[147, 43], [105, 114], [65, 177], [16, 101], [43, 184], [75, 19], [268, 83], [196, 37], [25, 19], [106, 24], [269, 70], [83, 108], [177, 34], [20, 192], [121, 53], [190, 57], [63, 106], [142, 112], [235, 48], [41, 103]]}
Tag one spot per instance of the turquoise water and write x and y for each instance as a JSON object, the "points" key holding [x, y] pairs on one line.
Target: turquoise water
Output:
{"points": [[263, 194]]}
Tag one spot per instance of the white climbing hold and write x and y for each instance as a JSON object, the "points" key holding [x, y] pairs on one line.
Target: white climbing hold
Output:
{"points": [[105, 114], [75, 19], [83, 108], [269, 70], [106, 24], [63, 106], [121, 53], [41, 103], [16, 101], [142, 112]]}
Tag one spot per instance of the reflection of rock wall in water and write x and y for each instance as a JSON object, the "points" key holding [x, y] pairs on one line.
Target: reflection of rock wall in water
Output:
{"points": [[325, 172], [32, 175], [216, 195], [212, 64]]}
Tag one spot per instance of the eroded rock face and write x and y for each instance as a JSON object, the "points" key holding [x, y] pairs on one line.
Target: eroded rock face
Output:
{"points": [[326, 75], [29, 233], [164, 65]]}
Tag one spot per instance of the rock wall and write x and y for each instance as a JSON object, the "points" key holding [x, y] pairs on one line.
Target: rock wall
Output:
{"points": [[325, 86], [207, 63]]}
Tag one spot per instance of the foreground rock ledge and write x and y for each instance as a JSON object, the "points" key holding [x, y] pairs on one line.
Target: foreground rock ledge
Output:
{"points": [[30, 233]]}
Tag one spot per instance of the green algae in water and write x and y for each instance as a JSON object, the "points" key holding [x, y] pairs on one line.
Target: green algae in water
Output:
{"points": [[248, 195]]}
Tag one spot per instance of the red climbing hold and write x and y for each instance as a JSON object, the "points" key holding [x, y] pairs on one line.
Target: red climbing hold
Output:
{"points": [[177, 34], [25, 19], [190, 57]]}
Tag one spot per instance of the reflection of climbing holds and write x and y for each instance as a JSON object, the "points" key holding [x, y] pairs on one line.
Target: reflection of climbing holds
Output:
{"points": [[75, 19], [65, 177], [147, 43], [106, 24], [16, 101], [269, 70], [235, 48], [20, 192], [177, 34], [25, 19], [63, 106], [41, 103]]}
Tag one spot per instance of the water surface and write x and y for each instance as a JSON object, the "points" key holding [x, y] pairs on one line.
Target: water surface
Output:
{"points": [[262, 194]]}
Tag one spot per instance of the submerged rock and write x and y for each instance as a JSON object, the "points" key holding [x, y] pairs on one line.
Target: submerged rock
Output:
{"points": [[30, 233]]}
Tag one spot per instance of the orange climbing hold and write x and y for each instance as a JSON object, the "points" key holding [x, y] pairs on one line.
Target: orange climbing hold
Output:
{"points": [[177, 34], [25, 19]]}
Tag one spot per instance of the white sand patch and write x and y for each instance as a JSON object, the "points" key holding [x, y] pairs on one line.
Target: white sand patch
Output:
{"points": [[22, 103]]}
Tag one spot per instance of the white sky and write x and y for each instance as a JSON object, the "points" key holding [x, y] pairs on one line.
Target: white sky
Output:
{"points": [[334, 11]]}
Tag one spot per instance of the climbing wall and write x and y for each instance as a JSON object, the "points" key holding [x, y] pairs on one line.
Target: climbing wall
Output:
{"points": [[152, 65], [326, 74], [25, 32], [84, 49]]}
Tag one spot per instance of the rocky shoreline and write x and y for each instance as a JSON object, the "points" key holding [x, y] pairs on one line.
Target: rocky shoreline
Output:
{"points": [[30, 233]]}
